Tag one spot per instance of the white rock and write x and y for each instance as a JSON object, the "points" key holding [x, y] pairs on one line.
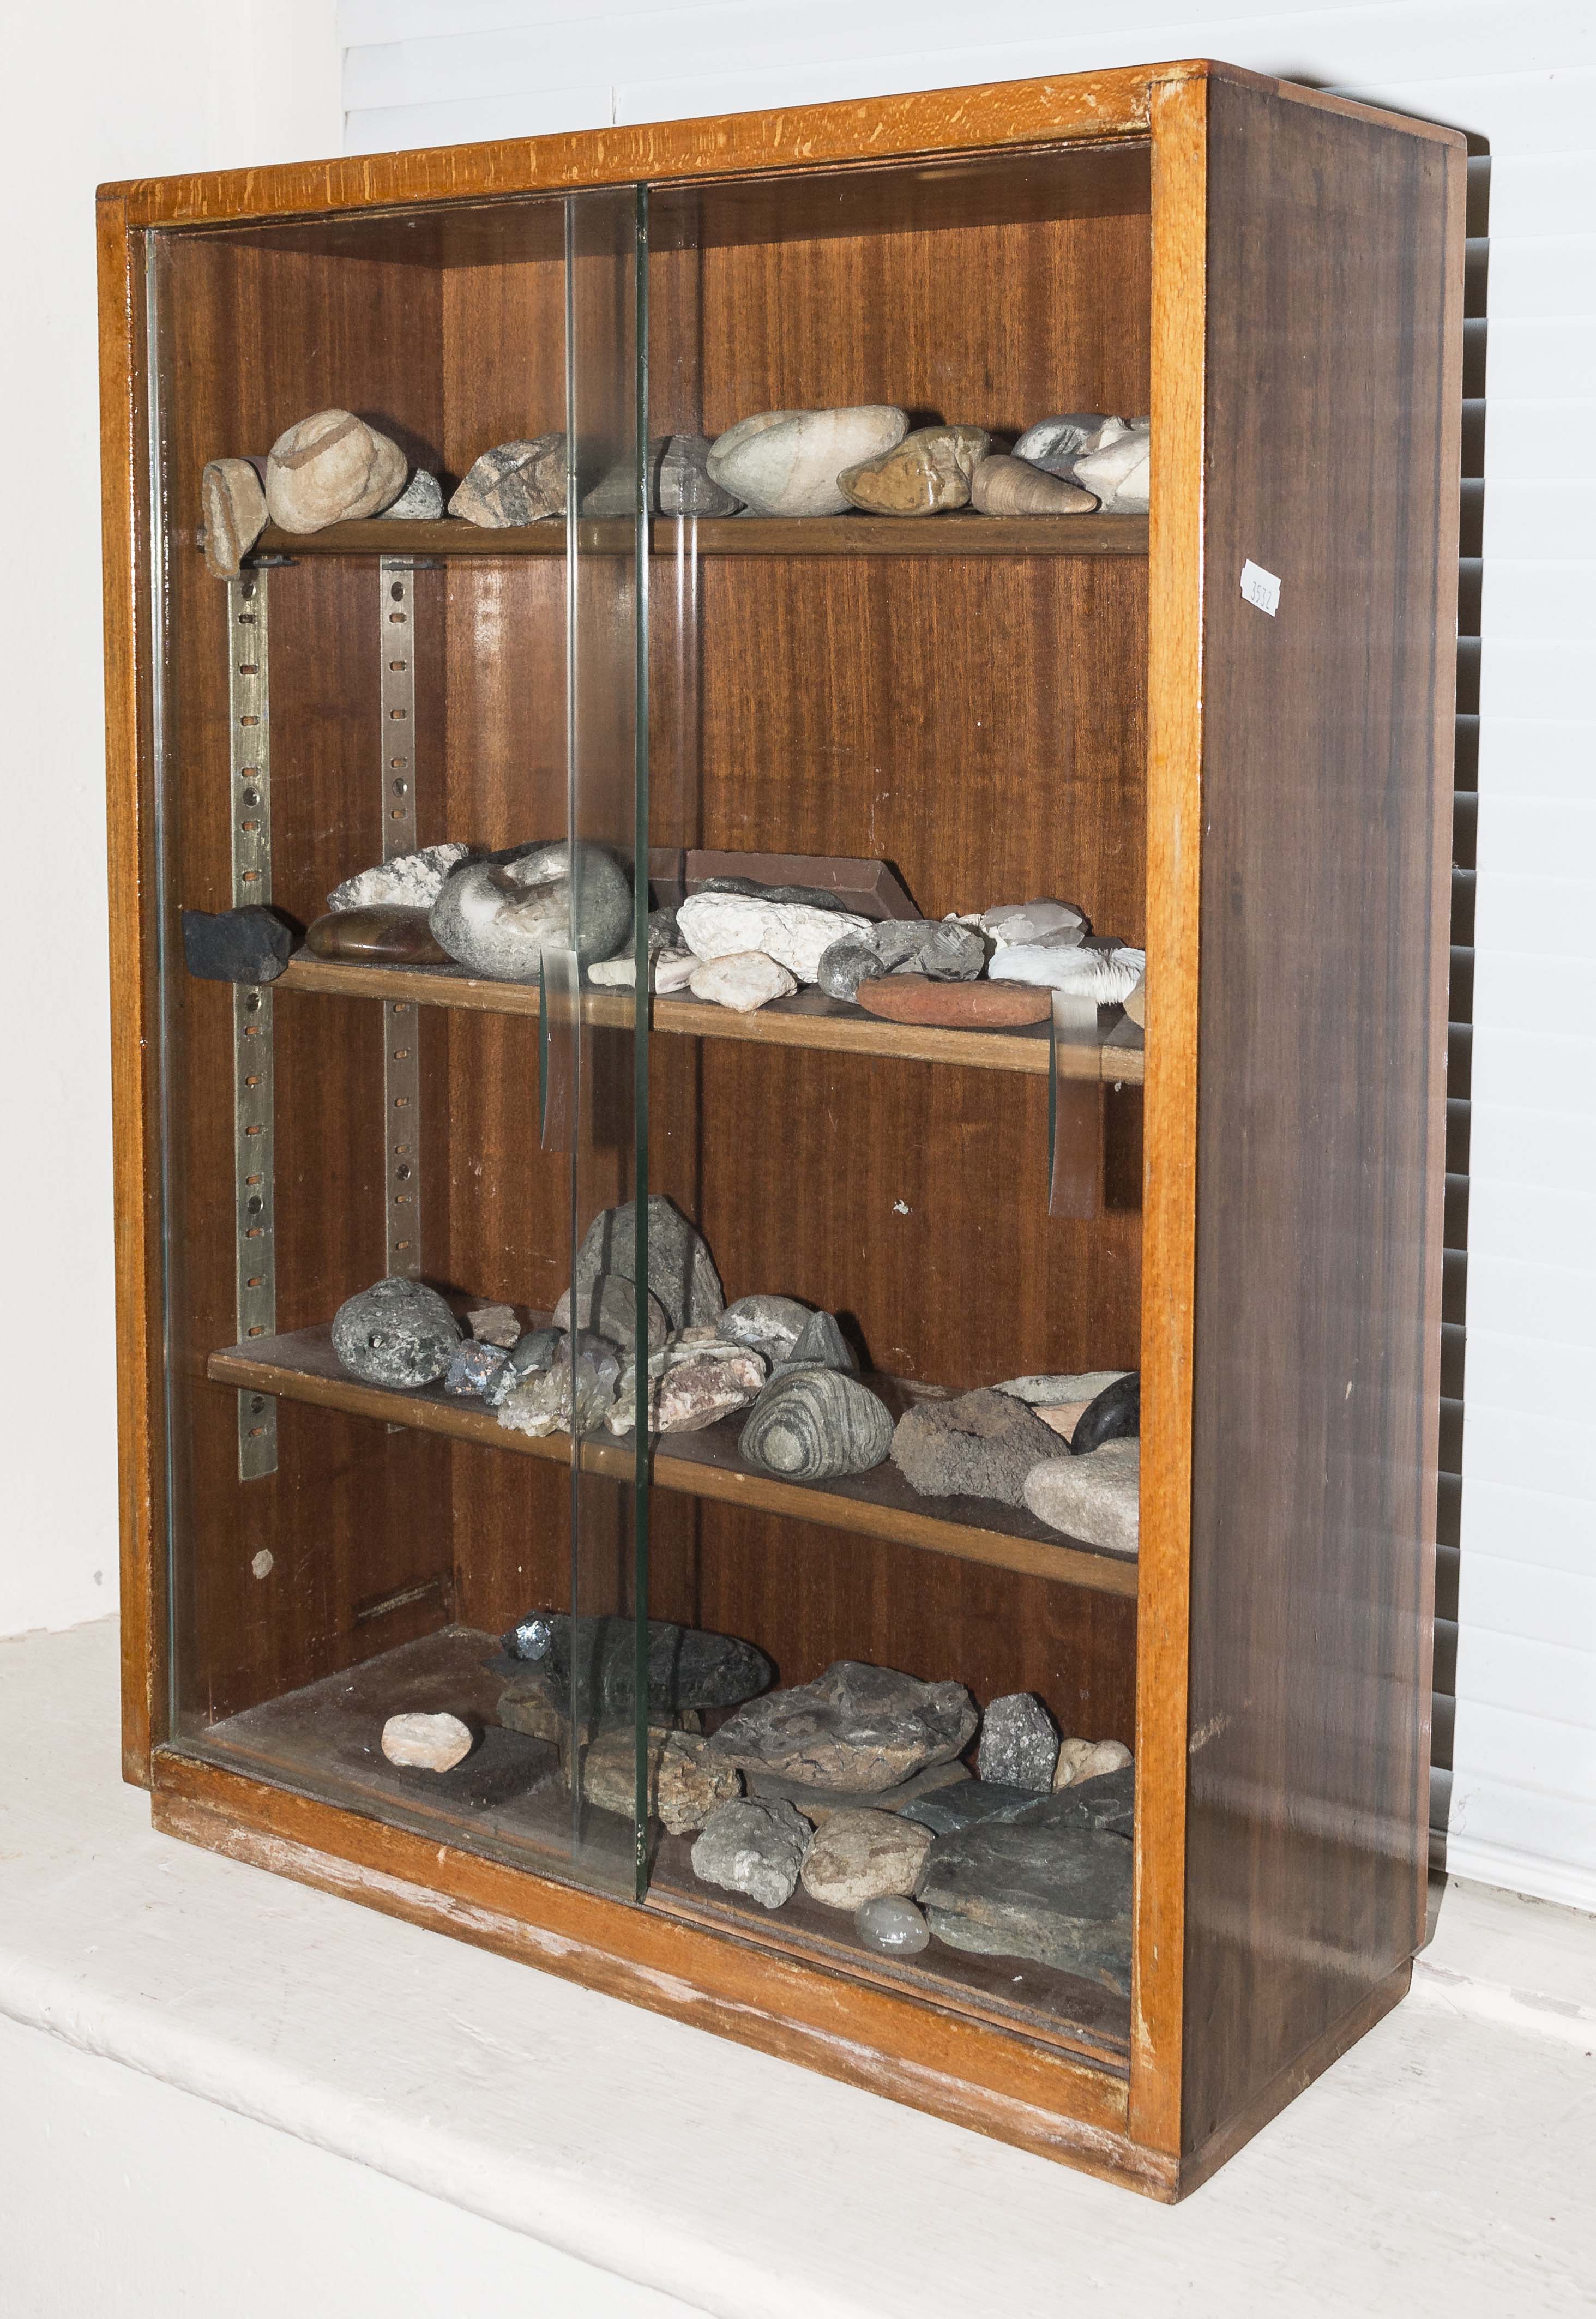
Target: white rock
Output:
{"points": [[614, 973], [1088, 1759], [673, 969], [1118, 474], [1108, 975], [787, 462], [494, 1324], [1058, 925], [797, 936], [428, 1743], [412, 879], [1096, 1498], [743, 980]]}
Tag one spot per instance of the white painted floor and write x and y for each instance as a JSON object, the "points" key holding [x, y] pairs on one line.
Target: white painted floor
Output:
{"points": [[220, 2090]]}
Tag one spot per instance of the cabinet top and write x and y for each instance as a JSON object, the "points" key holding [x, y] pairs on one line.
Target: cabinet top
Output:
{"points": [[1062, 108]]}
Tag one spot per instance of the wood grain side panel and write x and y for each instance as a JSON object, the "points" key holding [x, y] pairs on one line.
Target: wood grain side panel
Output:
{"points": [[1333, 251]]}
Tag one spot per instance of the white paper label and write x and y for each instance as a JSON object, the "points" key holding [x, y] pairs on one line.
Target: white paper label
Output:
{"points": [[1260, 587]]}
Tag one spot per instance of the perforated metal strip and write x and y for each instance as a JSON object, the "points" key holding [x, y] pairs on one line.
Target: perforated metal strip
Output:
{"points": [[402, 1022], [250, 800]]}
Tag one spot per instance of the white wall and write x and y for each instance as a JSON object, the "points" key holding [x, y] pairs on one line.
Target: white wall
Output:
{"points": [[96, 90]]}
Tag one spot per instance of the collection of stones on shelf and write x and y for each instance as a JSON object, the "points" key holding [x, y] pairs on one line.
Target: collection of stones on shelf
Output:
{"points": [[1066, 1449], [333, 467], [850, 1787]]}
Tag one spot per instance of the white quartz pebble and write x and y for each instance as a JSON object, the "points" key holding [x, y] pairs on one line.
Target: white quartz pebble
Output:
{"points": [[745, 980], [428, 1743]]}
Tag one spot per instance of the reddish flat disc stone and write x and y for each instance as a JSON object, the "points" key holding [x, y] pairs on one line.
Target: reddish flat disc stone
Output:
{"points": [[955, 1005]]}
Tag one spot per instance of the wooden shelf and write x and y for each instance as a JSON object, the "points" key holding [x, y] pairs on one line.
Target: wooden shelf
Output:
{"points": [[840, 535], [811, 1019], [303, 1366]]}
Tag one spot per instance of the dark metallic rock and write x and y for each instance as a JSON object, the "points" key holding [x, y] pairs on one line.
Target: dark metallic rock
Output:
{"points": [[1114, 1416], [248, 945], [1019, 1744], [854, 1727], [687, 1667], [475, 1368], [969, 1804], [846, 964]]}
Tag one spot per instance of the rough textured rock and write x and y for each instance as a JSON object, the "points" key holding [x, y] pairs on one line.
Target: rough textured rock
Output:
{"points": [[698, 1393], [420, 501], [981, 1445], [1106, 975], [929, 471], [1135, 1002], [412, 881], [691, 1783], [687, 1667], [815, 1424], [572, 1396], [676, 478], [608, 1306], [680, 1273], [538, 1350], [1019, 1744], [744, 981], [787, 462], [1031, 1887], [1005, 486], [331, 468], [897, 942], [494, 1324], [609, 1771], [769, 1325], [1119, 473], [955, 1005], [1100, 1798], [1089, 1759], [514, 483], [428, 1743], [398, 1332], [1096, 1498], [473, 1367], [755, 1848], [1114, 1414], [818, 1804], [854, 1727], [386, 934], [813, 898], [892, 1926], [864, 1855], [948, 1810], [1058, 925], [499, 915], [953, 953], [233, 509], [796, 934], [533, 1702], [1056, 443], [247, 945], [844, 965]]}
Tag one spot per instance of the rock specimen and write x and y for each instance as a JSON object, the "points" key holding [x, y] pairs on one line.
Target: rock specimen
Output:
{"points": [[1056, 443], [1048, 1392], [815, 1424], [691, 1783], [494, 1324], [617, 973], [1097, 1499], [428, 1743], [894, 1927], [412, 881], [1004, 486], [864, 1855], [572, 1396], [533, 1703], [1135, 1003], [813, 898], [537, 1350], [1033, 1888], [233, 506], [676, 480], [743, 981], [499, 915], [1106, 975], [247, 945], [818, 1804], [331, 468], [947, 1809], [980, 1445], [399, 1332], [606, 1305], [753, 1848], [514, 483], [820, 1344], [687, 1667], [1119, 473], [796, 934], [952, 952], [1048, 925], [1100, 1799], [787, 462], [473, 1367], [609, 1767], [1112, 1415], [385, 934], [420, 501], [844, 965], [856, 1727], [769, 1325], [698, 1393], [1019, 1744], [681, 1272], [955, 1005], [673, 969], [1089, 1759], [928, 471]]}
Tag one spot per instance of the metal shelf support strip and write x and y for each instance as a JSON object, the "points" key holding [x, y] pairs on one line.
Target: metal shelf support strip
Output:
{"points": [[401, 1021], [254, 1108]]}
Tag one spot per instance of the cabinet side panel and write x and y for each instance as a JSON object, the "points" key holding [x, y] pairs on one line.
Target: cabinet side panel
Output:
{"points": [[1334, 253]]}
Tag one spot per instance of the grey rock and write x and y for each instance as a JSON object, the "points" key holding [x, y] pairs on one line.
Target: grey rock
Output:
{"points": [[1055, 444], [813, 898], [1019, 1744], [398, 1332], [755, 1848], [981, 1445], [691, 1783], [1039, 924], [499, 915], [494, 1324], [1096, 1498], [892, 1926], [410, 881], [608, 1306], [1113, 1415], [854, 1727], [1031, 1888], [897, 942], [820, 1344], [846, 964], [813, 1424], [687, 1667], [946, 1810], [475, 1368], [818, 1804], [680, 1273], [538, 1349], [420, 501], [1071, 1385], [864, 1855], [769, 1325], [1108, 1801], [786, 462], [514, 483], [677, 480], [247, 945], [953, 953]]}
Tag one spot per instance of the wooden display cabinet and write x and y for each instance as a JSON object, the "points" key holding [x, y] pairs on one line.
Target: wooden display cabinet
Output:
{"points": [[1080, 706]]}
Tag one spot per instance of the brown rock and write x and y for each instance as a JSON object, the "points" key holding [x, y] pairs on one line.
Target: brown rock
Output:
{"points": [[609, 1767], [1136, 1004], [958, 1005], [982, 1445], [1005, 486], [864, 1855], [331, 468], [514, 483], [691, 1783], [533, 1701], [928, 471], [384, 934], [234, 505]]}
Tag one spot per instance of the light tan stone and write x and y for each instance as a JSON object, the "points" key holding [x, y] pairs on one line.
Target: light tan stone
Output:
{"points": [[1007, 486], [331, 468], [691, 1783], [864, 1855], [234, 505], [928, 472], [1088, 1759], [426, 1743]]}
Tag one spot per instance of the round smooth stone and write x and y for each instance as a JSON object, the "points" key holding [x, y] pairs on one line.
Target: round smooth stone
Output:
{"points": [[382, 935], [892, 1925], [400, 1332], [787, 463], [815, 1424], [956, 1006], [499, 916], [331, 468], [426, 1743], [846, 964], [928, 471]]}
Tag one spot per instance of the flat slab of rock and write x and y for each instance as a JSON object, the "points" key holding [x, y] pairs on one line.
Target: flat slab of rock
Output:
{"points": [[946, 1810], [1106, 1799], [953, 1006], [795, 935], [1096, 1498], [754, 1848], [817, 1804], [1019, 1744], [864, 1855], [980, 1445], [854, 1727], [1033, 1888], [687, 1667]]}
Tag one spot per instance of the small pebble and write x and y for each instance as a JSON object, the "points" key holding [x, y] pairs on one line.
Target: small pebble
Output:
{"points": [[745, 980], [426, 1743], [894, 1927]]}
